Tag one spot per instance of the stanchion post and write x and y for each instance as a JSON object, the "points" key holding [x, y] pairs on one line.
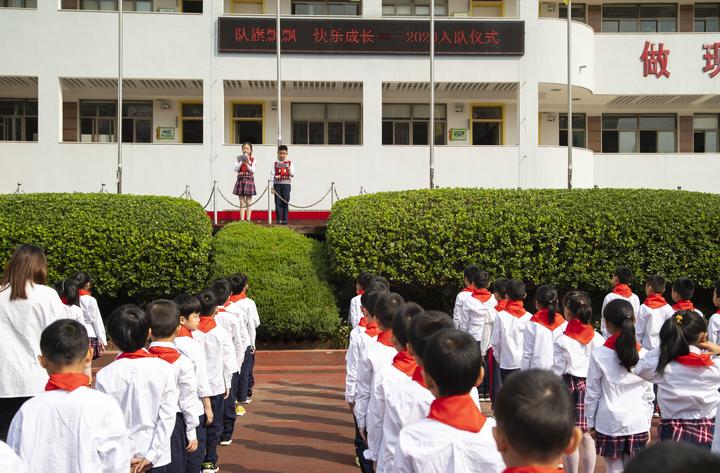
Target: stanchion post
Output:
{"points": [[332, 195], [214, 197], [269, 203]]}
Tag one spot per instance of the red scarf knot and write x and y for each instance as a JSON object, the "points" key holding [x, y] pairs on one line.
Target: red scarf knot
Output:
{"points": [[683, 305], [184, 332], [622, 290], [385, 337], [611, 342], [67, 381], [360, 292], [483, 295], [466, 289], [64, 300], [207, 323], [170, 355], [541, 317], [363, 321], [372, 329], [418, 377], [236, 297], [655, 301], [405, 362], [579, 331], [84, 292], [134, 355], [695, 360], [515, 308], [457, 411], [501, 305]]}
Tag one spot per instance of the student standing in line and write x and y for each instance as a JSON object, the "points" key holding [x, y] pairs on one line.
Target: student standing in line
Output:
{"points": [[545, 326], [621, 278], [91, 312]]}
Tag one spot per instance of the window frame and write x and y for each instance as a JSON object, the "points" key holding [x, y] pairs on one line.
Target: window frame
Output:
{"points": [[234, 120], [23, 117], [704, 19], [411, 120], [413, 4], [94, 134], [326, 122], [501, 134], [234, 6], [134, 7], [574, 6], [327, 4], [715, 130], [182, 119], [136, 119], [638, 19], [81, 4], [488, 4], [33, 4], [637, 148], [563, 131]]}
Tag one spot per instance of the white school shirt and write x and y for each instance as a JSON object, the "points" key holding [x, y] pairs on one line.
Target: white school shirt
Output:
{"points": [[684, 392], [385, 381], [220, 358], [376, 357], [617, 402], [195, 352], [147, 392], [21, 323], [507, 339], [93, 319], [539, 346], [714, 328], [231, 323], [476, 314], [648, 324], [9, 461], [74, 312], [458, 311], [79, 431], [634, 301], [429, 446], [252, 318], [572, 357], [240, 311], [355, 313], [358, 344], [189, 405]]}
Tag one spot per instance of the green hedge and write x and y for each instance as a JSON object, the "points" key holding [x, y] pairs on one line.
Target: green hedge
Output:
{"points": [[137, 246], [287, 279], [423, 239]]}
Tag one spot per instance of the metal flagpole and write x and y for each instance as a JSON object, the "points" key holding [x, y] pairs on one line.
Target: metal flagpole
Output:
{"points": [[118, 127], [432, 94], [278, 37], [569, 96]]}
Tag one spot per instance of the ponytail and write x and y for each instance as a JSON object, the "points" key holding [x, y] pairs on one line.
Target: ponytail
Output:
{"points": [[619, 313], [547, 297], [579, 304], [677, 334]]}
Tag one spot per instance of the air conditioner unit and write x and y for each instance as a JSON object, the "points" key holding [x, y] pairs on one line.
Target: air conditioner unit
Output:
{"points": [[547, 7]]}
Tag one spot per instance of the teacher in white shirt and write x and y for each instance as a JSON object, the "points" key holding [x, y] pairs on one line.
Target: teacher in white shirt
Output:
{"points": [[27, 306]]}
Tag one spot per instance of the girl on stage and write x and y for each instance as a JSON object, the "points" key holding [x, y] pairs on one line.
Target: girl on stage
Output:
{"points": [[245, 184]]}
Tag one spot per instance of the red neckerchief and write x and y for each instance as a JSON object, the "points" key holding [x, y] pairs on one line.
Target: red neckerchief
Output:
{"points": [[532, 469], [683, 305], [655, 301], [207, 323], [418, 377], [694, 359], [84, 292], [579, 331], [371, 330], [67, 381], [515, 308], [718, 311], [64, 300], [360, 292], [170, 355], [466, 289], [237, 297], [133, 355], [405, 362], [611, 342], [501, 305], [183, 332], [541, 317], [483, 295], [622, 290], [363, 321], [457, 411], [385, 337]]}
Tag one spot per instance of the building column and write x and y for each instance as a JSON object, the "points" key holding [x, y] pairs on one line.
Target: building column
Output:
{"points": [[372, 115], [527, 97]]}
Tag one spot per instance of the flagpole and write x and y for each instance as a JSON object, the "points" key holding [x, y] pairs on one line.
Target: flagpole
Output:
{"points": [[432, 94], [569, 97]]}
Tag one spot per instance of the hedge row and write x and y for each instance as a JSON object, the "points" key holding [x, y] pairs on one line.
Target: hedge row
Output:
{"points": [[287, 279], [137, 246], [423, 239]]}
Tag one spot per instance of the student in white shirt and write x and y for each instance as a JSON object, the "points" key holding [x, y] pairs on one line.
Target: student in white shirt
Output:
{"points": [[70, 427], [69, 293], [618, 403], [27, 306], [682, 291], [499, 290], [714, 323], [621, 278], [9, 461], [164, 324], [247, 313], [653, 313], [687, 379], [509, 330], [545, 326], [479, 315], [572, 361], [91, 312], [143, 385], [459, 311], [535, 422], [456, 436], [355, 313]]}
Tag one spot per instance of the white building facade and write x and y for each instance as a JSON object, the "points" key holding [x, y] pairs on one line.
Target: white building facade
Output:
{"points": [[646, 88]]}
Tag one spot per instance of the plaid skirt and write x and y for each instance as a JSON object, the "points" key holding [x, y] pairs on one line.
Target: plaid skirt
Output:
{"points": [[616, 447], [577, 388], [244, 186], [697, 431], [95, 345]]}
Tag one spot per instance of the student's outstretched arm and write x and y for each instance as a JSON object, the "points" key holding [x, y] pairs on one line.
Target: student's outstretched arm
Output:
{"points": [[647, 365]]}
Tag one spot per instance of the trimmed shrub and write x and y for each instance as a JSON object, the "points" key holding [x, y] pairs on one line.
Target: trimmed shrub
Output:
{"points": [[137, 246], [424, 239], [287, 279]]}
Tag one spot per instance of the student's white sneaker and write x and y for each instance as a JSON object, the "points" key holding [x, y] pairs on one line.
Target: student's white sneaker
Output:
{"points": [[225, 443], [247, 401], [210, 467]]}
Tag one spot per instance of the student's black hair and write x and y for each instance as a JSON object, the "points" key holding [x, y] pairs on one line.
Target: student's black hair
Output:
{"points": [[547, 297], [500, 287], [363, 280], [82, 278], [684, 287], [657, 283], [453, 360], [423, 326], [164, 318], [481, 279], [247, 143], [515, 290], [619, 313], [208, 302], [674, 457], [238, 281], [579, 304], [387, 307], [534, 412], [187, 304], [624, 274], [282, 148], [380, 281], [401, 322], [470, 272], [370, 297], [128, 327], [64, 341], [222, 289], [677, 334], [69, 290], [717, 288]]}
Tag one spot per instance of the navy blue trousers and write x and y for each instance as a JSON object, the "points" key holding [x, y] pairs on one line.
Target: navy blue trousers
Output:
{"points": [[229, 415], [215, 429], [195, 459]]}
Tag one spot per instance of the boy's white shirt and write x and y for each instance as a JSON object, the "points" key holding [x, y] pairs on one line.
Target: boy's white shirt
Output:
{"points": [[195, 352], [617, 402], [507, 339], [634, 300], [232, 325], [648, 323], [76, 313], [355, 314], [248, 308], [477, 315], [220, 357], [93, 319], [459, 315], [189, 405], [572, 357], [376, 357], [146, 390], [357, 346], [684, 392], [539, 346], [10, 461], [714, 328], [386, 379]]}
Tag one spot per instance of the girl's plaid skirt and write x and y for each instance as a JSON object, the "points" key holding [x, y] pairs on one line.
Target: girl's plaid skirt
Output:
{"points": [[697, 431], [95, 345], [577, 388], [616, 447], [244, 186]]}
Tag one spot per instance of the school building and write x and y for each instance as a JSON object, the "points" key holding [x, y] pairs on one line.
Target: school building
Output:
{"points": [[199, 78]]}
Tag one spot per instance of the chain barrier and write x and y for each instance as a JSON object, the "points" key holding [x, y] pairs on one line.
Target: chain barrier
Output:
{"points": [[103, 189], [186, 194], [239, 206], [18, 189], [303, 206], [209, 198]]}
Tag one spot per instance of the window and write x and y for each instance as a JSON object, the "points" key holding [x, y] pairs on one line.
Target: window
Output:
{"points": [[409, 124], [98, 5], [246, 7], [18, 3], [97, 121], [638, 133], [191, 122], [578, 124], [138, 5], [247, 123], [487, 125], [326, 8], [647, 18], [707, 17], [413, 8], [332, 123], [18, 120], [707, 133], [137, 122], [578, 12], [192, 6], [486, 8]]}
